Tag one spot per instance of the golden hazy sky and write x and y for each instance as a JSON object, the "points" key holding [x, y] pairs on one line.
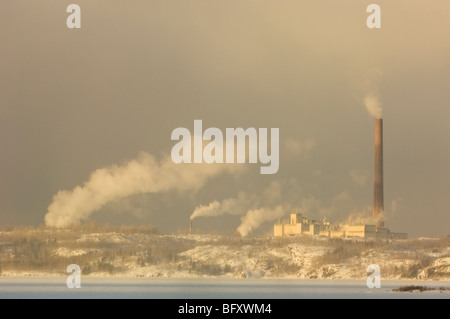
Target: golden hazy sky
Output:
{"points": [[74, 101]]}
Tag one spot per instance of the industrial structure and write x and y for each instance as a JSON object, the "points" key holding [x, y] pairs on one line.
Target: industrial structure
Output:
{"points": [[300, 225]]}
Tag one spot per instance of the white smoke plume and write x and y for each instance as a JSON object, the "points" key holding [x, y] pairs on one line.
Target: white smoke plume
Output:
{"points": [[308, 205], [360, 217], [396, 205], [255, 209], [373, 105], [277, 200], [255, 217], [243, 202], [365, 216], [145, 174], [231, 206]]}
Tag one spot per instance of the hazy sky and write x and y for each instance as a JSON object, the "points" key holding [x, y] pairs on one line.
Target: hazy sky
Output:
{"points": [[74, 101]]}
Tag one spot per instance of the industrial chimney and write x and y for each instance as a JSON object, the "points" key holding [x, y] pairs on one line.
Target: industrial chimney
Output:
{"points": [[190, 225], [378, 200]]}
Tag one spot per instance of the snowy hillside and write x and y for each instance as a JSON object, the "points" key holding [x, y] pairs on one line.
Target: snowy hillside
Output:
{"points": [[141, 254]]}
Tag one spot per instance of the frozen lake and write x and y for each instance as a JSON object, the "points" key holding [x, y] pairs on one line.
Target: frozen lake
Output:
{"points": [[209, 288]]}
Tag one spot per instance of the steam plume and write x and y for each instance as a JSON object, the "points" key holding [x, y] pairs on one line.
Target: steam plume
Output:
{"points": [[142, 175], [255, 217], [360, 217], [373, 106], [275, 201], [242, 203], [254, 209]]}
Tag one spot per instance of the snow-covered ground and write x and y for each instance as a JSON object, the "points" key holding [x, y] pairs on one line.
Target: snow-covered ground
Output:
{"points": [[221, 256]]}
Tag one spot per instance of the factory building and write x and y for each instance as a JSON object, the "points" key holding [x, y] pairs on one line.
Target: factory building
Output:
{"points": [[364, 231], [300, 225]]}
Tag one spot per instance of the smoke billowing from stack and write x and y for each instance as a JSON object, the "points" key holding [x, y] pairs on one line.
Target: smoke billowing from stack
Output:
{"points": [[373, 105], [254, 209]]}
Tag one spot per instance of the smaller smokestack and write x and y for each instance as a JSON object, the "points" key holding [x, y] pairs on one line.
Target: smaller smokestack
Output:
{"points": [[190, 225]]}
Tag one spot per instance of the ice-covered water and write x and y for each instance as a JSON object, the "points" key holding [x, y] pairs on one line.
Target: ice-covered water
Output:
{"points": [[154, 288]]}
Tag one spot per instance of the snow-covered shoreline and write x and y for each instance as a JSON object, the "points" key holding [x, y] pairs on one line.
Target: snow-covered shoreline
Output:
{"points": [[118, 255]]}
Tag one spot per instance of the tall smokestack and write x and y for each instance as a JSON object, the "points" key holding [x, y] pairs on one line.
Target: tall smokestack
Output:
{"points": [[190, 225], [378, 200]]}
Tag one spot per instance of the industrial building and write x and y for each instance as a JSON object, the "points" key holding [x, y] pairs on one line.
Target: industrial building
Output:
{"points": [[300, 225]]}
